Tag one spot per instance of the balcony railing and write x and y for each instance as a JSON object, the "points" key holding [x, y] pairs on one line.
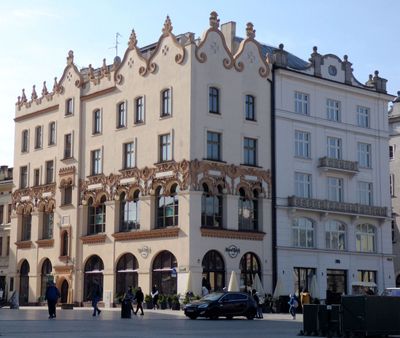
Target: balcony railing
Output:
{"points": [[338, 165], [325, 205]]}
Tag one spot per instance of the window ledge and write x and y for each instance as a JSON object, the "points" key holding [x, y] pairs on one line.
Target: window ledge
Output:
{"points": [[233, 234], [138, 123], [66, 206], [212, 160], [167, 116], [250, 165], [45, 243], [23, 244], [146, 234], [164, 162], [94, 239], [121, 128]]}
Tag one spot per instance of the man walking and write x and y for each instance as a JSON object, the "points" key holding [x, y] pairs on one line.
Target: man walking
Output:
{"points": [[52, 295], [96, 296], [139, 299]]}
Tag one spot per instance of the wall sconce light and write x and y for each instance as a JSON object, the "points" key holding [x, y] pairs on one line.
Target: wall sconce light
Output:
{"points": [[283, 272], [198, 260]]}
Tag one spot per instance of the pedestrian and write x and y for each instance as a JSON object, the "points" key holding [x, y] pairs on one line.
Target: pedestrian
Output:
{"points": [[129, 296], [293, 304], [139, 300], [258, 302], [305, 298], [154, 297], [204, 291], [96, 294], [52, 295]]}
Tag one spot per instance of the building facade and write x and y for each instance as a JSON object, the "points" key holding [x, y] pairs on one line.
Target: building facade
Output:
{"points": [[153, 170], [332, 181], [6, 186]]}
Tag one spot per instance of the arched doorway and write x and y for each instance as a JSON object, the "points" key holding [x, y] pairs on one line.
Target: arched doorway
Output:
{"points": [[126, 274], [93, 274], [24, 283], [64, 291], [249, 267], [164, 273], [214, 270], [45, 276]]}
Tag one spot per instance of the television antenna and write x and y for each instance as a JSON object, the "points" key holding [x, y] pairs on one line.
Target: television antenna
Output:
{"points": [[117, 35]]}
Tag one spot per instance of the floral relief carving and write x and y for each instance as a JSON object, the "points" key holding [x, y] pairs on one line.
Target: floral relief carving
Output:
{"points": [[23, 199]]}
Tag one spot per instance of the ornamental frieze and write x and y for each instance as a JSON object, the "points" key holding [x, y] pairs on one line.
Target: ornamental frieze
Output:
{"points": [[34, 196]]}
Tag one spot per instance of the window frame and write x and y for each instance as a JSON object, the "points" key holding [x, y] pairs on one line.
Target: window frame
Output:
{"points": [[214, 100], [166, 103], [69, 107], [129, 155], [122, 121], [335, 235], [49, 172], [363, 117], [165, 147], [302, 144], [97, 122], [250, 107], [52, 134], [214, 147], [364, 155], [96, 167], [23, 177], [364, 234], [303, 183], [250, 151], [139, 110], [25, 141], [303, 229], [333, 110], [38, 137], [335, 191], [334, 147], [365, 193], [301, 103]]}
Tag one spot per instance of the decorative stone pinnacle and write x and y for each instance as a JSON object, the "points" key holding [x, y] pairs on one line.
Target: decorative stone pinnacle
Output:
{"points": [[23, 96], [214, 21], [132, 40], [370, 77], [34, 94], [250, 31], [281, 45], [70, 57], [104, 63], [167, 26], [44, 90], [315, 49], [376, 73], [55, 86], [345, 58]]}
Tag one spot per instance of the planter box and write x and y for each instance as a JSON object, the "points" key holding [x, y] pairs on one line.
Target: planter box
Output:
{"points": [[163, 305], [148, 305]]}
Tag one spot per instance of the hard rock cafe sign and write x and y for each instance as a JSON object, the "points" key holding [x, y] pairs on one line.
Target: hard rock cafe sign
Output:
{"points": [[232, 251], [144, 251]]}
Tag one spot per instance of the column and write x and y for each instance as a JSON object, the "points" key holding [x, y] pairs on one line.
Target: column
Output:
{"points": [[146, 212], [231, 216]]}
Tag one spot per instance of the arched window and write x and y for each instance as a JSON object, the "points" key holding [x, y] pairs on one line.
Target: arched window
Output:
{"points": [[365, 238], [214, 270], [303, 233], [24, 283], [97, 217], [335, 235], [45, 276], [129, 212], [167, 207], [213, 100], [249, 267], [93, 274], [211, 207], [64, 243], [126, 274], [164, 273], [166, 102], [26, 227], [248, 211]]}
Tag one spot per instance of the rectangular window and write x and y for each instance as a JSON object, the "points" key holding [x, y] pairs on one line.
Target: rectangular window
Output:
{"points": [[8, 249], [26, 227], [250, 108], [25, 141], [334, 147], [52, 133], [121, 115], [213, 100], [165, 148], [67, 198], [366, 276], [301, 101], [214, 146], [69, 107], [68, 146], [96, 162], [49, 172], [36, 177], [166, 102], [1, 214], [302, 144], [391, 152], [23, 177], [48, 222], [333, 110], [335, 189], [392, 187], [250, 151], [38, 137], [129, 155], [9, 214], [139, 110], [365, 193], [302, 185], [364, 155], [363, 119], [97, 121]]}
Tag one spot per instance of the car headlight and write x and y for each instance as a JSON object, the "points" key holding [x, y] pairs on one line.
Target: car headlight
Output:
{"points": [[202, 306]]}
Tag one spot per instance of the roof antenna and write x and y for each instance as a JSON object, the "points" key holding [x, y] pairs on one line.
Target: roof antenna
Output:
{"points": [[116, 43]]}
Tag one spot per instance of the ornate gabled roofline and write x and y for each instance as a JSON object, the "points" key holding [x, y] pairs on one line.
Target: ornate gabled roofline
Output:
{"points": [[70, 64], [251, 33]]}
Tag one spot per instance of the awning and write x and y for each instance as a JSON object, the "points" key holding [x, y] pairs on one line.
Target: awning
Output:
{"points": [[94, 271], [364, 284], [128, 270], [163, 269]]}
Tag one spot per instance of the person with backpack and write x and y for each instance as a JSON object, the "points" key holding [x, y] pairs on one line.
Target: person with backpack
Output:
{"points": [[52, 295], [293, 304]]}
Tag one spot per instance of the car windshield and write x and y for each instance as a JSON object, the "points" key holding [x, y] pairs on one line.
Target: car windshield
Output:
{"points": [[212, 296]]}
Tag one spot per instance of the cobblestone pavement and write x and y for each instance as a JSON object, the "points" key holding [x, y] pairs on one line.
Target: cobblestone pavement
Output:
{"points": [[32, 322]]}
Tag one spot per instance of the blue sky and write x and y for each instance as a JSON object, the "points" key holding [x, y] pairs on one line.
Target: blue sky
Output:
{"points": [[36, 36]]}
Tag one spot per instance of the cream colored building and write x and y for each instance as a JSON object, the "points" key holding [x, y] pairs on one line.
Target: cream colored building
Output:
{"points": [[152, 170], [6, 185]]}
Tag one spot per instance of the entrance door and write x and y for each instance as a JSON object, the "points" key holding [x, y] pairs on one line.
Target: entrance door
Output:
{"points": [[64, 291], [336, 285], [24, 284]]}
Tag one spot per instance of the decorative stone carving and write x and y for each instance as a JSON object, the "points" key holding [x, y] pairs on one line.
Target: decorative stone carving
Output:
{"points": [[167, 29], [33, 197], [348, 71], [232, 234], [250, 31], [67, 176], [34, 95], [132, 40], [280, 56], [316, 60], [45, 92], [214, 21]]}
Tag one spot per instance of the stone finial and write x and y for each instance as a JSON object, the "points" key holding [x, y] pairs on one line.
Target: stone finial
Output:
{"points": [[56, 86], [70, 58], [316, 60], [397, 99], [348, 71], [345, 58], [23, 96], [91, 72], [280, 56], [44, 90], [281, 46], [214, 21], [167, 26], [250, 31], [34, 95], [132, 40], [19, 100], [379, 83]]}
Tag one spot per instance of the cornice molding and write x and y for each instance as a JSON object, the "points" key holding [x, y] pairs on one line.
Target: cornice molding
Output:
{"points": [[233, 234], [146, 234]]}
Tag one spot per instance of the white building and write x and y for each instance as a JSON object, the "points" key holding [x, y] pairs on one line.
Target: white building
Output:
{"points": [[333, 225]]}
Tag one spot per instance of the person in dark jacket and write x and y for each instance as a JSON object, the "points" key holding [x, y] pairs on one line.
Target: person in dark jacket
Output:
{"points": [[52, 295], [256, 297], [96, 294], [139, 300], [154, 296]]}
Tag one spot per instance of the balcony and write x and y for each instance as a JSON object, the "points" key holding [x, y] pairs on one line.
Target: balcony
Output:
{"points": [[337, 207], [329, 163]]}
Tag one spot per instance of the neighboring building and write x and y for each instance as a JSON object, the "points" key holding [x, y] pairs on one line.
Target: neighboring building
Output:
{"points": [[394, 148], [6, 186], [332, 177], [152, 170]]}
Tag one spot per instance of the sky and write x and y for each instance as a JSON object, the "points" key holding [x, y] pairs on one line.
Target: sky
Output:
{"points": [[35, 36]]}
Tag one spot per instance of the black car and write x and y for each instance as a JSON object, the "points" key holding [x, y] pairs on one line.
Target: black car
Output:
{"points": [[222, 304]]}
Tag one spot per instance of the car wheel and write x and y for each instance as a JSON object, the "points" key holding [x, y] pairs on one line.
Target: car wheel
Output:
{"points": [[229, 317], [214, 317], [192, 317], [250, 316]]}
